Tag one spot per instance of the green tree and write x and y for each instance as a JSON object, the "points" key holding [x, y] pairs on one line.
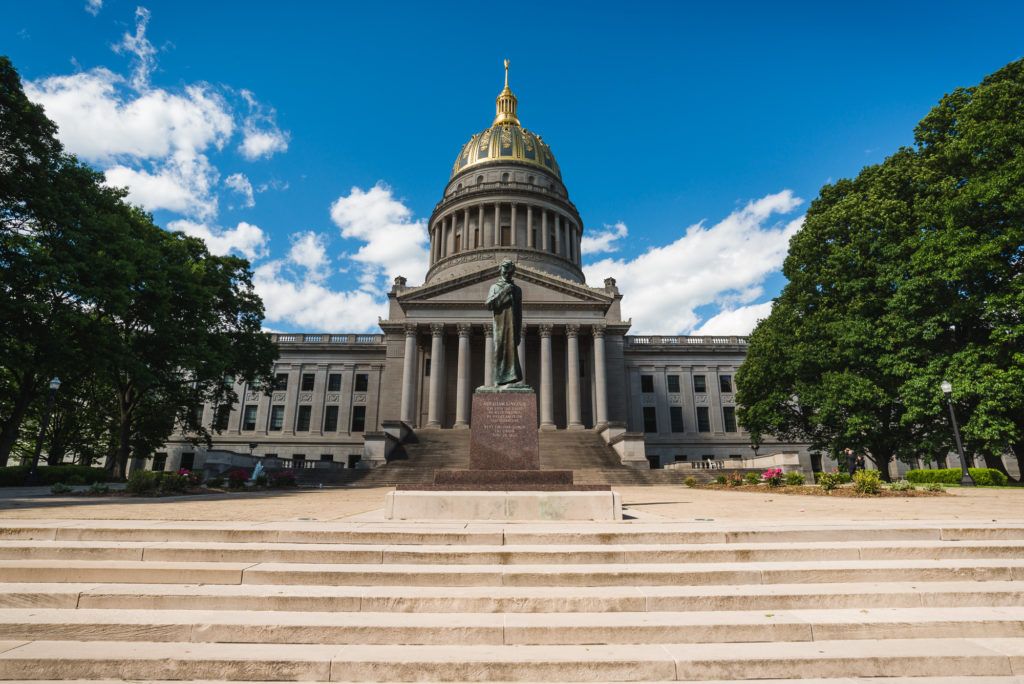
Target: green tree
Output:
{"points": [[903, 276]]}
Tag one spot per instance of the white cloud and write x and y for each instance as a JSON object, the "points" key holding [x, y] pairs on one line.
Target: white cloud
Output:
{"points": [[93, 7], [137, 44], [182, 184], [309, 250], [740, 321], [395, 244], [291, 300], [245, 239], [724, 264], [604, 241], [261, 138], [240, 184]]}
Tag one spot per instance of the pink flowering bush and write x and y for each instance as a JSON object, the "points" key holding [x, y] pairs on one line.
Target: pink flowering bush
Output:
{"points": [[190, 476], [773, 476]]}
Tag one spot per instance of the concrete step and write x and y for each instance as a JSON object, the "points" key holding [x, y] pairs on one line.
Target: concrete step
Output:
{"points": [[281, 627], [1011, 679], [963, 658], [569, 575], [503, 554], [493, 599], [561, 535]]}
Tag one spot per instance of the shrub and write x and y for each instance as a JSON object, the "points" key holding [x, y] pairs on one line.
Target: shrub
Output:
{"points": [[98, 488], [734, 479], [720, 479], [985, 477], [237, 478], [690, 481], [59, 488], [280, 479], [773, 476], [934, 487], [143, 482], [829, 481], [751, 479], [173, 483], [901, 486], [215, 482], [14, 476], [867, 482], [191, 476], [794, 478]]}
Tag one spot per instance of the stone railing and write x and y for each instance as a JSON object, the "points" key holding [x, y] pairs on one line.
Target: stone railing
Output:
{"points": [[684, 340], [323, 338]]}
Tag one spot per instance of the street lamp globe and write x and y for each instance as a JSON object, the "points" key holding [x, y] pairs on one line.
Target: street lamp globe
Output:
{"points": [[947, 387], [55, 384]]}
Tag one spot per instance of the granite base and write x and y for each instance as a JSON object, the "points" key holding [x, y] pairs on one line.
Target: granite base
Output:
{"points": [[508, 505], [494, 479]]}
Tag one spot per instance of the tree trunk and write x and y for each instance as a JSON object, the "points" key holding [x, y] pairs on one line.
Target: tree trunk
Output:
{"points": [[882, 460], [124, 437], [12, 425]]}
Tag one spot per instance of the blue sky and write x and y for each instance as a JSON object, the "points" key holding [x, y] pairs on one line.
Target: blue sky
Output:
{"points": [[316, 138]]}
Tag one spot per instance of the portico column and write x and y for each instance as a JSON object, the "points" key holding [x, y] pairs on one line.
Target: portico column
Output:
{"points": [[462, 380], [547, 413], [529, 227], [465, 229], [558, 233], [436, 374], [480, 227], [572, 333], [600, 379], [409, 375], [489, 355], [522, 351], [513, 237]]}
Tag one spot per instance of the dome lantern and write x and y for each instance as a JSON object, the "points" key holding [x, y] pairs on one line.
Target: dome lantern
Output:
{"points": [[505, 105]]}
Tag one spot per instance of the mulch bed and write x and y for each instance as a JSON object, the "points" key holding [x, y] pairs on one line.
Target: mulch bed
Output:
{"points": [[845, 491]]}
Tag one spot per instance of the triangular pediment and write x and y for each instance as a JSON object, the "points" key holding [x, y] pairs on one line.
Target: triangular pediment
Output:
{"points": [[539, 289]]}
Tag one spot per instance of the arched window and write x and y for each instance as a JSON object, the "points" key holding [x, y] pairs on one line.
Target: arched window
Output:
{"points": [[479, 180], [529, 179], [504, 178], [459, 186]]}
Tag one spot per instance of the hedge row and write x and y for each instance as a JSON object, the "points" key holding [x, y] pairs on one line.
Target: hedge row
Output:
{"points": [[14, 476], [951, 476]]}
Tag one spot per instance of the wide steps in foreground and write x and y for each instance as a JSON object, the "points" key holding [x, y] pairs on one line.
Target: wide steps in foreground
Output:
{"points": [[920, 603]]}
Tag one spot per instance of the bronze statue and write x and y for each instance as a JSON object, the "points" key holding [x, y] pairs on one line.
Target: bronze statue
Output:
{"points": [[505, 300]]}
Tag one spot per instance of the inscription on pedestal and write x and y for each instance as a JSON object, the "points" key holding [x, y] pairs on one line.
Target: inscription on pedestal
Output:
{"points": [[504, 432]]}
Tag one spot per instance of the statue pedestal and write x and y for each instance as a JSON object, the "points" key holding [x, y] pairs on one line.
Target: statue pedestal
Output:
{"points": [[504, 480]]}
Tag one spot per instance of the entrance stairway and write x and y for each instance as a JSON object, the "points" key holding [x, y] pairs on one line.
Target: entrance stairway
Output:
{"points": [[915, 603], [582, 451]]}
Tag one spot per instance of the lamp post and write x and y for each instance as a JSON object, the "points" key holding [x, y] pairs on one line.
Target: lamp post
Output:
{"points": [[965, 479], [33, 472]]}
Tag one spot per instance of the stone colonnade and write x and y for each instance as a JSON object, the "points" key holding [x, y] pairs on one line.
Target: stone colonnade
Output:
{"points": [[464, 390], [483, 225]]}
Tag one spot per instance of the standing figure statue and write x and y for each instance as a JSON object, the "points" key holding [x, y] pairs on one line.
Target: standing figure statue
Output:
{"points": [[505, 300]]}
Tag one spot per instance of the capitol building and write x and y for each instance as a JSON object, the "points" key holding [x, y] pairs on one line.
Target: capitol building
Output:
{"points": [[351, 401]]}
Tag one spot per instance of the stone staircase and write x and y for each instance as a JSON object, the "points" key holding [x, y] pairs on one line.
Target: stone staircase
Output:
{"points": [[148, 600]]}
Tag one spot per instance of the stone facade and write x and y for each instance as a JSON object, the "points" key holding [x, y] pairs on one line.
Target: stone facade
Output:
{"points": [[505, 199]]}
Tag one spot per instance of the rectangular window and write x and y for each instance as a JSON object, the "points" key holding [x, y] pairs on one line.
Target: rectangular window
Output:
{"points": [[362, 382], [326, 457], [358, 418], [270, 456], [188, 461], [673, 384], [276, 418], [725, 383], [331, 419], [308, 380], [334, 382], [729, 418], [647, 384], [676, 414], [703, 419], [221, 417], [699, 384], [298, 461], [426, 368], [681, 458], [249, 417], [281, 381], [302, 422], [159, 461], [650, 419]]}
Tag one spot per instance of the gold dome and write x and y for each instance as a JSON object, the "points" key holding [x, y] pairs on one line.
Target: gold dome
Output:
{"points": [[506, 141]]}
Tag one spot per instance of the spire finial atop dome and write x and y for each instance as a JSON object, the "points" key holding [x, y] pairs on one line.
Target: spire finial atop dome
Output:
{"points": [[506, 105]]}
